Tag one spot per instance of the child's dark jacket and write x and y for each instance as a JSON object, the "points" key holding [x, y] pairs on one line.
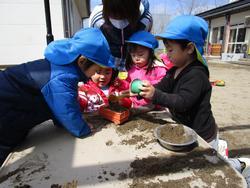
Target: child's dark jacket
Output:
{"points": [[188, 98]]}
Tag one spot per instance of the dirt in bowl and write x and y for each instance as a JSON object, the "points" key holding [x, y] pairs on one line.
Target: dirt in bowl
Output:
{"points": [[174, 134]]}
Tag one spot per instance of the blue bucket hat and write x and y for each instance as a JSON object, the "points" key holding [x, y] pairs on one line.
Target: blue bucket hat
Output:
{"points": [[89, 42], [144, 38], [187, 27]]}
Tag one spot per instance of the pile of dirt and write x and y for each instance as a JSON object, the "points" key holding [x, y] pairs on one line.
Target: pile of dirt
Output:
{"points": [[146, 169], [174, 134], [27, 171], [72, 184], [142, 123], [116, 107]]}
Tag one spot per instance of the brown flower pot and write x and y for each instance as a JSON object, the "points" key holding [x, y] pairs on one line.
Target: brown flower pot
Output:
{"points": [[114, 116]]}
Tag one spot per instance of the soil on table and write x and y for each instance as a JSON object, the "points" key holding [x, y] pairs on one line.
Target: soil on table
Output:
{"points": [[146, 169], [143, 123], [116, 107], [201, 169], [174, 134]]}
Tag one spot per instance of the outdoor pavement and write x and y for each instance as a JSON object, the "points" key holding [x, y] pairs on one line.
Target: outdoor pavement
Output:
{"points": [[231, 104]]}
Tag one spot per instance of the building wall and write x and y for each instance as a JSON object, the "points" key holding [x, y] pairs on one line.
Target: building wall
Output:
{"points": [[239, 17], [218, 22], [23, 29], [75, 19], [236, 19]]}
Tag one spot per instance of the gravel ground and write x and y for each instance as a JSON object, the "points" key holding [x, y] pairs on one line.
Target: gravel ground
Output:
{"points": [[231, 106]]}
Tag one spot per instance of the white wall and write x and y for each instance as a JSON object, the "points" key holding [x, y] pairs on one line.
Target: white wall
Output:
{"points": [[239, 18], [218, 22], [23, 29], [75, 19]]}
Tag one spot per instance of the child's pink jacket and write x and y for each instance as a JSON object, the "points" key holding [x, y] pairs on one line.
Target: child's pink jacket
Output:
{"points": [[154, 76], [91, 97]]}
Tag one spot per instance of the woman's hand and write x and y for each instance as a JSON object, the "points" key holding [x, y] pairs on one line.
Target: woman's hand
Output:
{"points": [[147, 90]]}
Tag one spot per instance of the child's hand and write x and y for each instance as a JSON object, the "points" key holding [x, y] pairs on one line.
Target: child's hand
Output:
{"points": [[147, 90], [128, 93], [92, 128]]}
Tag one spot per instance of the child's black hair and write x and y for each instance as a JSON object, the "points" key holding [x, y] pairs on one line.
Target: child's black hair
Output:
{"points": [[114, 76], [122, 9], [86, 65], [129, 62]]}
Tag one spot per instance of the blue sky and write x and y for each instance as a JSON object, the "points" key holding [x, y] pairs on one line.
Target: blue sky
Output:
{"points": [[172, 6]]}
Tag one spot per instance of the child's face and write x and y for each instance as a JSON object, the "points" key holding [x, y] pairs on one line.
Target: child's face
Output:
{"points": [[178, 56], [102, 77], [140, 56]]}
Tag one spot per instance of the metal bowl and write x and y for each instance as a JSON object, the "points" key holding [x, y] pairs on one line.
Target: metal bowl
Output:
{"points": [[190, 143]]}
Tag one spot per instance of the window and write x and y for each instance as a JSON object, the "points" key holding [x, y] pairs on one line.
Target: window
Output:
{"points": [[221, 33], [215, 34], [232, 35], [236, 38], [241, 35]]}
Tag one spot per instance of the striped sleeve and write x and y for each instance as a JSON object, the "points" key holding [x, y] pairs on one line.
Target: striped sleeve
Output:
{"points": [[147, 20], [146, 17], [96, 19]]}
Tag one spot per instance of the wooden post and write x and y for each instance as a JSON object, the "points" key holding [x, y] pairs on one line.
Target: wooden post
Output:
{"points": [[208, 38], [227, 33]]}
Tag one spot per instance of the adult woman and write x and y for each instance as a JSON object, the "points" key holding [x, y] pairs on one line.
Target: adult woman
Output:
{"points": [[118, 20]]}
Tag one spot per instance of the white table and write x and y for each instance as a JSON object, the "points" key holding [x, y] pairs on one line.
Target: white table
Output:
{"points": [[52, 156]]}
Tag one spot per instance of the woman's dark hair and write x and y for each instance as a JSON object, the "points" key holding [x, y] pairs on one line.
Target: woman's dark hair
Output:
{"points": [[122, 9], [129, 61]]}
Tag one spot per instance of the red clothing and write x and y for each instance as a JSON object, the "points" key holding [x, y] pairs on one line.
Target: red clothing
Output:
{"points": [[91, 97]]}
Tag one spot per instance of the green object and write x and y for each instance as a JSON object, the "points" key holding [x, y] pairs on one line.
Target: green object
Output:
{"points": [[135, 85]]}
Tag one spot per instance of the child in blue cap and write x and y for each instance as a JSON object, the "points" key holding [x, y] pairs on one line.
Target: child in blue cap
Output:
{"points": [[186, 90], [141, 63], [44, 89], [118, 20]]}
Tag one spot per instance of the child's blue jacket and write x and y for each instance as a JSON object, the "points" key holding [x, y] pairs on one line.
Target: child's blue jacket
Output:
{"points": [[45, 87]]}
